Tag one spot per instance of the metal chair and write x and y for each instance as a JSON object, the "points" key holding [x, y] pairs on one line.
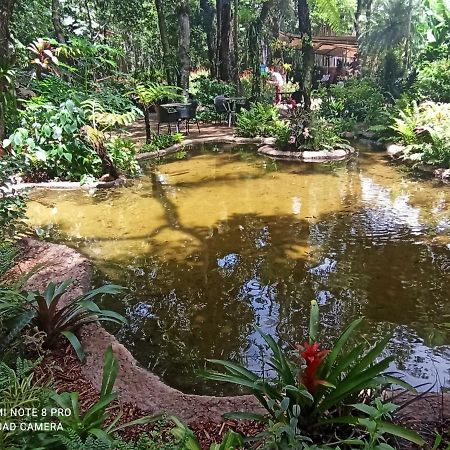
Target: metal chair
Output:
{"points": [[167, 115], [188, 114], [222, 108]]}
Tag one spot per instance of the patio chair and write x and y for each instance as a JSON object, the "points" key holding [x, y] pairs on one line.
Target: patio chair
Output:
{"points": [[222, 108], [188, 114], [167, 116]]}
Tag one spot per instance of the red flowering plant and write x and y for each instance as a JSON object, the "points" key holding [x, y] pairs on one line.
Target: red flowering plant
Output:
{"points": [[313, 357], [321, 386]]}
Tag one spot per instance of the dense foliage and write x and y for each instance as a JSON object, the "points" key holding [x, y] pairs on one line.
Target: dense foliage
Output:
{"points": [[425, 131], [74, 77], [162, 141], [260, 120], [359, 99], [12, 205], [433, 80]]}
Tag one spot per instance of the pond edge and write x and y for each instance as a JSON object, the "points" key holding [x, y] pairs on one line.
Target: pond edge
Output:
{"points": [[139, 386], [266, 147], [135, 384]]}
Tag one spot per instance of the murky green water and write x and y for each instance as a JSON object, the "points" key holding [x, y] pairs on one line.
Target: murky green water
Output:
{"points": [[212, 245]]}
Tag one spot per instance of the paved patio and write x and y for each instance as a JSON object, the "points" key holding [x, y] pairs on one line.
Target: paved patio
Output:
{"points": [[136, 131]]}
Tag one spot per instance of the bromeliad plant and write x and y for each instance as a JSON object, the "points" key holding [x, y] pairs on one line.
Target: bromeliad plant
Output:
{"points": [[321, 387], [55, 317]]}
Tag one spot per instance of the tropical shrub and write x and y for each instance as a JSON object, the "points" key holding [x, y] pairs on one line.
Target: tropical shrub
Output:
{"points": [[8, 253], [360, 99], [311, 131], [207, 114], [433, 80], [425, 131], [371, 429], [13, 316], [123, 152], [51, 143], [162, 141], [51, 315], [8, 101], [113, 99], [390, 74], [267, 90], [259, 120], [206, 89], [314, 383], [54, 89], [68, 142]]}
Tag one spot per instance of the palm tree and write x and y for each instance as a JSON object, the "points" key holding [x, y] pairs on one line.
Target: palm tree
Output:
{"points": [[394, 24]]}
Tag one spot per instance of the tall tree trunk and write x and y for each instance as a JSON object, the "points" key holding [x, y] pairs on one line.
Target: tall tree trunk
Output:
{"points": [[184, 45], [254, 41], [224, 61], [218, 37], [304, 26], [56, 19], [88, 13], [357, 24], [148, 128], [407, 55], [236, 65], [164, 40], [6, 10], [208, 13], [277, 52], [368, 11]]}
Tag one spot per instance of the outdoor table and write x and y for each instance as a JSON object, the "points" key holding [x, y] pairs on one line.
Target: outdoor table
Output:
{"points": [[175, 104], [234, 101], [178, 107]]}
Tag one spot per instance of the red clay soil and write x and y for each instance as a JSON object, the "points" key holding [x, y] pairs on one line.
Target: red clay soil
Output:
{"points": [[143, 393]]}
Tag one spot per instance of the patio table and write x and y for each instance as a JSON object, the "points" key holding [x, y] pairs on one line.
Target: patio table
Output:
{"points": [[233, 101], [178, 108]]}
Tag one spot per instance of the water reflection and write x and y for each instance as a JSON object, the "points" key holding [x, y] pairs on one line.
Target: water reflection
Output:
{"points": [[215, 244]]}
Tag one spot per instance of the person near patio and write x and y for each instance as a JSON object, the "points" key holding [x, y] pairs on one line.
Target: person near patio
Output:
{"points": [[278, 80]]}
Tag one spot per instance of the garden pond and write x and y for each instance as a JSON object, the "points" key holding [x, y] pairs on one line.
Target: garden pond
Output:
{"points": [[212, 243]]}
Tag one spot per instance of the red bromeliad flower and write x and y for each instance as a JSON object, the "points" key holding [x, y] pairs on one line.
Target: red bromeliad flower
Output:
{"points": [[314, 357]]}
